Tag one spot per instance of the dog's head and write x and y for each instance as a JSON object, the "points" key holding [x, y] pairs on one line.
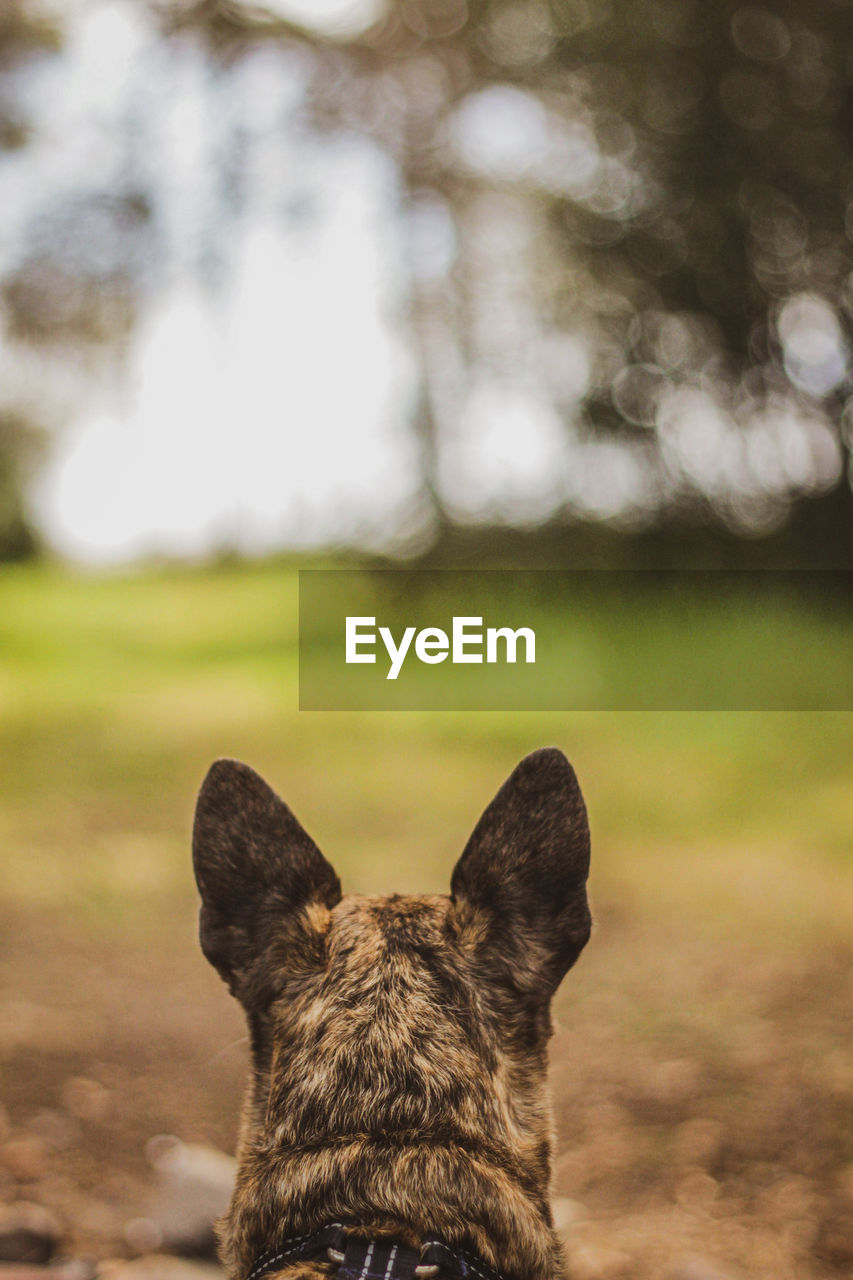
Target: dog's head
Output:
{"points": [[398, 1044]]}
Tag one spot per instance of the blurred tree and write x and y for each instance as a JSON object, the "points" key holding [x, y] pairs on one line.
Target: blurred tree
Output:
{"points": [[19, 448], [24, 35], [642, 208], [83, 270], [628, 227], [738, 119]]}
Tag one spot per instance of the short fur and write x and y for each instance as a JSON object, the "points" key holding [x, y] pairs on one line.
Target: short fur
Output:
{"points": [[398, 1044]]}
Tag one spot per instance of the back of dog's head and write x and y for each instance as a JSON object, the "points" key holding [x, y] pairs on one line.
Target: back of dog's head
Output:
{"points": [[398, 1043]]}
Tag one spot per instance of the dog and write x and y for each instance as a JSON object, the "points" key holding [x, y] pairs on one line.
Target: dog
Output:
{"points": [[397, 1124]]}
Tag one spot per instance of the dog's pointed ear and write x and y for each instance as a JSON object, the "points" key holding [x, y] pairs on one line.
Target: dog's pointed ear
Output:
{"points": [[520, 886], [255, 867]]}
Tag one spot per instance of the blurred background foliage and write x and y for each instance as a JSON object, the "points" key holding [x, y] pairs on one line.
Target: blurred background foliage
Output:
{"points": [[625, 276]]}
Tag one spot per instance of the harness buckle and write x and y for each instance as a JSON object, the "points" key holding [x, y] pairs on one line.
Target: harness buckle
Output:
{"points": [[423, 1270]]}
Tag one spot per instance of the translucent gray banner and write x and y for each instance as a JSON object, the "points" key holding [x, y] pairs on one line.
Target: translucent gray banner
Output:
{"points": [[574, 640]]}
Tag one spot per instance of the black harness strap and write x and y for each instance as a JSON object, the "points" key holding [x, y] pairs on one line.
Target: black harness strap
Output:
{"points": [[378, 1260], [458, 1263], [297, 1248], [359, 1259]]}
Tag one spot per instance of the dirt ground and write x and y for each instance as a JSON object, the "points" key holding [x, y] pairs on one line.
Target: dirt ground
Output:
{"points": [[703, 1093]]}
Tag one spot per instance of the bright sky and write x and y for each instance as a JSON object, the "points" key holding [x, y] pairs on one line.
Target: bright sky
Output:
{"points": [[274, 411], [333, 17], [271, 412], [267, 424]]}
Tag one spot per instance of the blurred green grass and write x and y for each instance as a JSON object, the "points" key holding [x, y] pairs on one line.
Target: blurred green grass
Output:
{"points": [[117, 691]]}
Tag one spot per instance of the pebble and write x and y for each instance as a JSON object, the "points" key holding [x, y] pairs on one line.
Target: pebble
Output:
{"points": [[143, 1235], [86, 1099], [672, 1082], [599, 1262], [58, 1132], [194, 1187], [28, 1233], [70, 1269], [566, 1213], [25, 1157], [696, 1192], [698, 1268], [157, 1266]]}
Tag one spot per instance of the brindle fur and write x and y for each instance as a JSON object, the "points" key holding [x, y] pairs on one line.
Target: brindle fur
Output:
{"points": [[398, 1044]]}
